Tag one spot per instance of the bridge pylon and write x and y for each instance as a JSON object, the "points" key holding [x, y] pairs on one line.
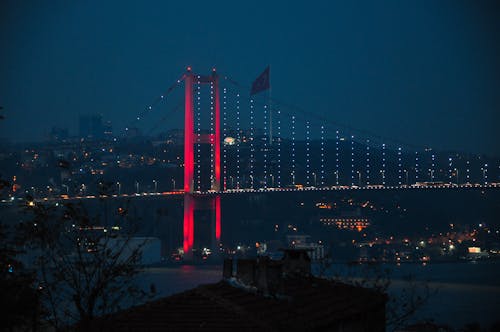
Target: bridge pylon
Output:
{"points": [[193, 201]]}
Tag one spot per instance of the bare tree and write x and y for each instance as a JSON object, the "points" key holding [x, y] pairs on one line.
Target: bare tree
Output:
{"points": [[19, 303], [86, 270]]}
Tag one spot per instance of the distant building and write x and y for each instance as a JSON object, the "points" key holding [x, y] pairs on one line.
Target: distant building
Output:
{"points": [[316, 251], [91, 126], [58, 134], [474, 253], [108, 130]]}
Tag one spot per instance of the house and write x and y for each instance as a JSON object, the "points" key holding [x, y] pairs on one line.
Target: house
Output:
{"points": [[259, 295]]}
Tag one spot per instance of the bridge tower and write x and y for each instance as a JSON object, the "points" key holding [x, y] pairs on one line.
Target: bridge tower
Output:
{"points": [[193, 200]]}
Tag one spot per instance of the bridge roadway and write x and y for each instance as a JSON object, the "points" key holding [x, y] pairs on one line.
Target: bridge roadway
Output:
{"points": [[440, 186]]}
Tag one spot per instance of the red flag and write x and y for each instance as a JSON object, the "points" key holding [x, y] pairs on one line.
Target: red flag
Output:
{"points": [[261, 83]]}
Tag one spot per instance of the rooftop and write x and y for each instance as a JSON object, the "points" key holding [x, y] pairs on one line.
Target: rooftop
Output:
{"points": [[305, 304]]}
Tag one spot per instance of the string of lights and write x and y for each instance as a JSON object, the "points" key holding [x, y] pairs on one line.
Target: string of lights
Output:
{"points": [[293, 149], [433, 166], [352, 160], [279, 147], [416, 166], [450, 169], [251, 144], [265, 146], [239, 138], [485, 173], [308, 165], [467, 171], [337, 160], [212, 134], [322, 152], [155, 102], [400, 170], [367, 162], [383, 164]]}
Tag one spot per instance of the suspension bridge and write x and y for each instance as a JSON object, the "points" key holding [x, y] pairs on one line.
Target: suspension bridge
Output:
{"points": [[235, 142], [238, 139]]}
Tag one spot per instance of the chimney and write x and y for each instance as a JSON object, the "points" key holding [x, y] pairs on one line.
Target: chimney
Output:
{"points": [[245, 271], [296, 262]]}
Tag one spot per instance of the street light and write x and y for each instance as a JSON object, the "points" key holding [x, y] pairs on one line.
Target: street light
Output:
{"points": [[359, 178], [293, 177], [136, 186], [406, 175], [272, 180], [314, 175], [156, 185], [119, 188], [337, 178], [383, 176], [456, 174], [173, 184]]}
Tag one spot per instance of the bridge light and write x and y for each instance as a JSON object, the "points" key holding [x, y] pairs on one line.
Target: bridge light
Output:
{"points": [[322, 155], [238, 137], [337, 157], [293, 148], [352, 160]]}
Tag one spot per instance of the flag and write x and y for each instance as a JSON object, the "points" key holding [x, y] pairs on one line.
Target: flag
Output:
{"points": [[261, 83]]}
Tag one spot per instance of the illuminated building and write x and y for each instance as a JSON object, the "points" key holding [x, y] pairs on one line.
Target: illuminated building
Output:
{"points": [[349, 223]]}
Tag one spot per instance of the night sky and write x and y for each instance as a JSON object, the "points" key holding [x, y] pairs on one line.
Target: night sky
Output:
{"points": [[424, 72]]}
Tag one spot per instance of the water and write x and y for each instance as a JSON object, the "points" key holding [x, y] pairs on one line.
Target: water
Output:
{"points": [[171, 280], [466, 292]]}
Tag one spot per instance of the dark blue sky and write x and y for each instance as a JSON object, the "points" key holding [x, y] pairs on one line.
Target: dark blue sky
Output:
{"points": [[424, 72]]}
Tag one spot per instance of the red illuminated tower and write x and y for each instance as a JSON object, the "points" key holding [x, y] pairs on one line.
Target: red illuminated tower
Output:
{"points": [[190, 139]]}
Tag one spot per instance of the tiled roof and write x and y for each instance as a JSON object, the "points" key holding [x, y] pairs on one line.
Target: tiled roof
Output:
{"points": [[306, 304]]}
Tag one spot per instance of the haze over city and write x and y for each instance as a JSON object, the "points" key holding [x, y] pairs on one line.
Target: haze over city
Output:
{"points": [[425, 73]]}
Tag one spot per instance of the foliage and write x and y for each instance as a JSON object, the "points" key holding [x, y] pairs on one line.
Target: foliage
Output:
{"points": [[19, 298], [85, 269]]}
